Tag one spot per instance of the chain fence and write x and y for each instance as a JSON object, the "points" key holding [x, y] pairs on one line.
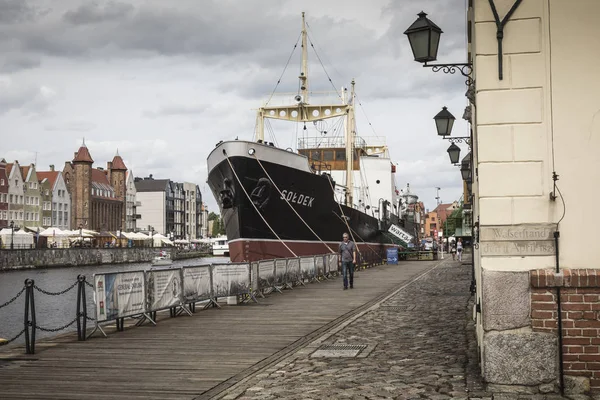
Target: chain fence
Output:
{"points": [[13, 299], [8, 341], [46, 292], [60, 328], [29, 318]]}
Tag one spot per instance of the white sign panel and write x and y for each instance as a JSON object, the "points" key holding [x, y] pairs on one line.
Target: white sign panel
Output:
{"points": [[119, 295], [266, 274], [280, 267], [196, 283], [400, 233], [231, 279], [164, 289]]}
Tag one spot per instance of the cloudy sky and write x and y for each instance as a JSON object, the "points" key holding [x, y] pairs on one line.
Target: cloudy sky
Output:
{"points": [[164, 81]]}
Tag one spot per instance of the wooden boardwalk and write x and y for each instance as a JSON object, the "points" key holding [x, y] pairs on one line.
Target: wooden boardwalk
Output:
{"points": [[184, 357]]}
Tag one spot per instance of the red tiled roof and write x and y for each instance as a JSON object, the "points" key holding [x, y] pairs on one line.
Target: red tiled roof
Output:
{"points": [[50, 175], [83, 155], [99, 176], [24, 171], [8, 168], [118, 164]]}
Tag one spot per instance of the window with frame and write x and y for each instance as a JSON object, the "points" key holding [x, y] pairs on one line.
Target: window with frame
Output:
{"points": [[27, 200], [327, 155], [340, 155], [1, 182], [10, 198]]}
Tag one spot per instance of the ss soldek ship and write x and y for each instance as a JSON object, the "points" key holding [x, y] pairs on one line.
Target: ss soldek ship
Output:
{"points": [[277, 202]]}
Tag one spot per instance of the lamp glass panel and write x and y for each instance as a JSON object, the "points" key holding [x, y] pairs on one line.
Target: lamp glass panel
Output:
{"points": [[441, 124], [419, 42], [434, 41], [450, 125]]}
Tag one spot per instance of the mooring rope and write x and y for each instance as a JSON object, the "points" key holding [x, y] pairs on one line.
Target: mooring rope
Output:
{"points": [[344, 217], [363, 240], [292, 207], [254, 205]]}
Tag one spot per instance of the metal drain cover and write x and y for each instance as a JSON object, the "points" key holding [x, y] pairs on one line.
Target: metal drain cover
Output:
{"points": [[339, 350]]}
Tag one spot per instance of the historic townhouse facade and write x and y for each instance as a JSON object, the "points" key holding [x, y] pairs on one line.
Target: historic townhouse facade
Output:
{"points": [[131, 214], [16, 197], [4, 221], [32, 194], [536, 134], [198, 216], [61, 200], [46, 201]]}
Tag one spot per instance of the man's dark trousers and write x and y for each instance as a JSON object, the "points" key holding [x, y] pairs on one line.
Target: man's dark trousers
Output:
{"points": [[348, 269]]}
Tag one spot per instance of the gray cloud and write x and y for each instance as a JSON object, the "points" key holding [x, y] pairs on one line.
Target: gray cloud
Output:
{"points": [[185, 110], [93, 13], [18, 61]]}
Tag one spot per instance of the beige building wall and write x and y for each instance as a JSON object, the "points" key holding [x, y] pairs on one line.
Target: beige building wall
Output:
{"points": [[544, 116]]}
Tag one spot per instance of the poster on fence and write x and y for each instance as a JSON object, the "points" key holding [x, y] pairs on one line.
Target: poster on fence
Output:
{"points": [[231, 279], [266, 274], [196, 283], [319, 266], [332, 260], [164, 288], [119, 295], [307, 267], [254, 275], [292, 270], [280, 267]]}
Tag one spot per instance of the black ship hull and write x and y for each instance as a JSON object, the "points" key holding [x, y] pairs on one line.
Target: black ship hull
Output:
{"points": [[255, 206]]}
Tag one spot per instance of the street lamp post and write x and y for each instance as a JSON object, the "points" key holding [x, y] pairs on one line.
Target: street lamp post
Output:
{"points": [[121, 236], [80, 235], [37, 238], [424, 37], [12, 235]]}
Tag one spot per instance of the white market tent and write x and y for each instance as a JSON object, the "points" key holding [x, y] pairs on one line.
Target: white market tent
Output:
{"points": [[20, 239], [56, 236], [161, 240]]}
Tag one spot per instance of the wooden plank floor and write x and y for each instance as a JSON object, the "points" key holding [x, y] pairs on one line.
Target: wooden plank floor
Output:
{"points": [[183, 357]]}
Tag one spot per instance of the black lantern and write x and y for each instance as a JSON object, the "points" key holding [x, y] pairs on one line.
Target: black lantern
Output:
{"points": [[424, 38], [454, 153], [444, 121], [465, 168], [12, 235]]}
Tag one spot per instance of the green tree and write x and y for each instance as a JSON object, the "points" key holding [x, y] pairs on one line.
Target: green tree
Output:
{"points": [[218, 226], [452, 222]]}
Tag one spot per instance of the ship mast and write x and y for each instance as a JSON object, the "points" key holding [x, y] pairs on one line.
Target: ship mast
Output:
{"points": [[350, 135], [304, 71]]}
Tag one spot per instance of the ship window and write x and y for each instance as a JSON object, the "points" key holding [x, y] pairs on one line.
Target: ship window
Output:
{"points": [[340, 155], [315, 155], [327, 155]]}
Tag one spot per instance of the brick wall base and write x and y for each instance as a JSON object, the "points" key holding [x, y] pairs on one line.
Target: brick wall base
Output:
{"points": [[580, 311]]}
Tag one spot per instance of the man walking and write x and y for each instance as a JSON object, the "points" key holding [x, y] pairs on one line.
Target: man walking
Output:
{"points": [[347, 260]]}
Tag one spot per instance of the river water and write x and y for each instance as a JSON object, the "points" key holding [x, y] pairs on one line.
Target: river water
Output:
{"points": [[56, 311]]}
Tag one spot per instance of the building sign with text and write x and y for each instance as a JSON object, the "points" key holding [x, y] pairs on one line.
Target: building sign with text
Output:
{"points": [[400, 233]]}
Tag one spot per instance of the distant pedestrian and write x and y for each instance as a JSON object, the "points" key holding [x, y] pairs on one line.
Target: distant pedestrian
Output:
{"points": [[459, 249], [347, 260], [453, 250]]}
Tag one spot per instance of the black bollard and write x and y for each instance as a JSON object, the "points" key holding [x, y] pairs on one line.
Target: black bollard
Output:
{"points": [[81, 308], [29, 317]]}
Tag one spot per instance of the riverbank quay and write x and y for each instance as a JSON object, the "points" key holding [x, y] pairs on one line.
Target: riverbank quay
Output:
{"points": [[184, 357], [69, 257]]}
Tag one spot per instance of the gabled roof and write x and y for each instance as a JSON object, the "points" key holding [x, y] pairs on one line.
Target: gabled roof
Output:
{"points": [[99, 176], [152, 185], [50, 175], [83, 155]]}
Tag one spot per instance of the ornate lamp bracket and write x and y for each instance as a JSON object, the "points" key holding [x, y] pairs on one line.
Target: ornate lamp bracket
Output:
{"points": [[465, 70], [460, 139]]}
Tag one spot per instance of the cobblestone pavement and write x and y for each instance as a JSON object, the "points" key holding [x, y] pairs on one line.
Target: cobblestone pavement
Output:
{"points": [[420, 345]]}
